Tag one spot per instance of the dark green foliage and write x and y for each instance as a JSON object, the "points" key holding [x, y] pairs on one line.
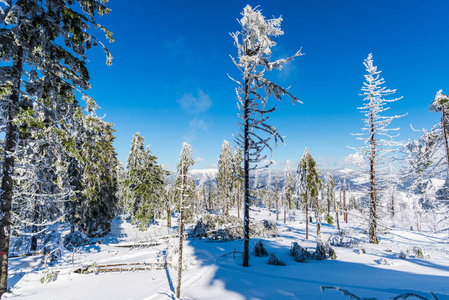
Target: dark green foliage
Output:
{"points": [[143, 187], [300, 254]]}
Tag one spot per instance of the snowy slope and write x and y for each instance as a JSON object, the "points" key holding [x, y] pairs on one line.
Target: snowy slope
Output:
{"points": [[211, 274]]}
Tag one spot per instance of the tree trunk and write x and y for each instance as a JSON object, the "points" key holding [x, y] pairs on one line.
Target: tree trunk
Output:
{"points": [[169, 216], [336, 213], [277, 199], [318, 218], [392, 205], [445, 142], [307, 218], [246, 203], [345, 214], [8, 171], [181, 227], [373, 215]]}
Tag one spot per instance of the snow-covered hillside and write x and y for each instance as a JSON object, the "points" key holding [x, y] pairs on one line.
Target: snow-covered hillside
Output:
{"points": [[214, 271]]}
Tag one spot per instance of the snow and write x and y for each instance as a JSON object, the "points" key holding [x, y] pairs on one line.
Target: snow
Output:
{"points": [[213, 272]]}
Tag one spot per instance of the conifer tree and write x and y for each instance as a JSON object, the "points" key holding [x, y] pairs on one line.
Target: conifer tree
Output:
{"points": [[224, 176], [288, 190], [94, 206], [308, 183], [144, 184], [43, 53], [254, 49], [185, 161], [379, 143]]}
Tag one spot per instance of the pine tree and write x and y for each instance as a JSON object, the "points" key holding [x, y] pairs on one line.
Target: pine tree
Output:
{"points": [[379, 143], [185, 161], [43, 53], [254, 49], [224, 176], [144, 184], [308, 183]]}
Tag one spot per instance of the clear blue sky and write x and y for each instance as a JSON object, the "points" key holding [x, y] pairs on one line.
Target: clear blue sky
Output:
{"points": [[169, 78]]}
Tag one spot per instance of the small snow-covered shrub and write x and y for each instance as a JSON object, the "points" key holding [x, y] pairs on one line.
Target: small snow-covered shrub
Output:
{"points": [[403, 254], [344, 238], [48, 276], [75, 239], [259, 250], [324, 251], [263, 229], [274, 261], [419, 253], [384, 261], [299, 253]]}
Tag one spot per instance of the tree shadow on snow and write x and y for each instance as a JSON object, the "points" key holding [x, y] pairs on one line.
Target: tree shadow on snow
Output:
{"points": [[301, 280]]}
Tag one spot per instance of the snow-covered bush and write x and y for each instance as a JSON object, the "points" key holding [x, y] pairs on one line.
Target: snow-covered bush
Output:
{"points": [[324, 250], [419, 253], [344, 238], [48, 276], [259, 250], [403, 254], [384, 261], [299, 253], [274, 261], [200, 230], [75, 239]]}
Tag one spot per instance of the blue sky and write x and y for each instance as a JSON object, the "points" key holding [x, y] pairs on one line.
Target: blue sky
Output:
{"points": [[169, 77]]}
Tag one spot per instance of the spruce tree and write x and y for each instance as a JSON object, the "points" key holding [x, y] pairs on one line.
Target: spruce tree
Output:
{"points": [[144, 184], [43, 53], [238, 178], [288, 190], [254, 49], [308, 183]]}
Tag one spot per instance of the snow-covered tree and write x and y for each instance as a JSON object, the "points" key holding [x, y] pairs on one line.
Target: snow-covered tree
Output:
{"points": [[288, 190], [276, 195], [254, 50], [43, 47], [185, 161], [94, 204], [144, 184], [308, 183], [224, 176], [238, 178], [379, 144], [268, 192]]}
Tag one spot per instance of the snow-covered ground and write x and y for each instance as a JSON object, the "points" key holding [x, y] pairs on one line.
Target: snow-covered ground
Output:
{"points": [[213, 272]]}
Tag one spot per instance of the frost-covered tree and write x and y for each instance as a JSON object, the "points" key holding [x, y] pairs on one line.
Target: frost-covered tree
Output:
{"points": [[238, 178], [276, 195], [224, 176], [288, 190], [254, 45], [185, 161], [144, 184], [268, 192], [308, 183], [379, 144], [43, 47]]}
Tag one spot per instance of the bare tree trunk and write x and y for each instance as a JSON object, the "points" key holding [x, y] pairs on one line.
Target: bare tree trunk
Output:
{"points": [[7, 172], [318, 218], [445, 142], [373, 215], [277, 199], [345, 214], [246, 204], [392, 205], [307, 219], [336, 213], [169, 216], [181, 227]]}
